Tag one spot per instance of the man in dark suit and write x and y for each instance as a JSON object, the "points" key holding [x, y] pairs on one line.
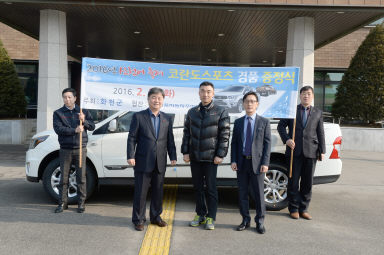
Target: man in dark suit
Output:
{"points": [[308, 146], [250, 153], [150, 138]]}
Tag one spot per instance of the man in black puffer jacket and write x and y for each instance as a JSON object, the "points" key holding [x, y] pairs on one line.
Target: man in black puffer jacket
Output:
{"points": [[205, 144]]}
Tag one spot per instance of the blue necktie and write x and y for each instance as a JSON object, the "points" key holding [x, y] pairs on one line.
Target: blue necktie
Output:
{"points": [[248, 139], [305, 117]]}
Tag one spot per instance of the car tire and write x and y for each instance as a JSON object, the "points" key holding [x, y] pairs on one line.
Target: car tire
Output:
{"points": [[51, 178], [239, 106], [275, 187]]}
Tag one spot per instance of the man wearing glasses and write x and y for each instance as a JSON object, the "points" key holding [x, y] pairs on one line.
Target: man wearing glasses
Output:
{"points": [[250, 153]]}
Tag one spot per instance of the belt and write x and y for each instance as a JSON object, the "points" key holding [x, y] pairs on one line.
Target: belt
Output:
{"points": [[247, 157]]}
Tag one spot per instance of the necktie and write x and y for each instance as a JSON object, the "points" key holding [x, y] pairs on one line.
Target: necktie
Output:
{"points": [[248, 139], [305, 117]]}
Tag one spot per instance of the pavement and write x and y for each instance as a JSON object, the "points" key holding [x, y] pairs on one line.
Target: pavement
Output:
{"points": [[348, 217]]}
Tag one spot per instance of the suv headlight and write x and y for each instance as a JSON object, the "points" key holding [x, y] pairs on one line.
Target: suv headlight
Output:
{"points": [[35, 141]]}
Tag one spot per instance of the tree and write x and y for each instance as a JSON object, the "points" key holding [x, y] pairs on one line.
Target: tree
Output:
{"points": [[12, 99], [360, 94]]}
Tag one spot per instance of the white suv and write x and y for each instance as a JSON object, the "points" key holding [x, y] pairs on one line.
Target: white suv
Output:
{"points": [[107, 161]]}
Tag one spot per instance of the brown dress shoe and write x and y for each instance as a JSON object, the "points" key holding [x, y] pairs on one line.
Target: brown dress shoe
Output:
{"points": [[294, 215], [160, 223], [139, 227], [306, 216]]}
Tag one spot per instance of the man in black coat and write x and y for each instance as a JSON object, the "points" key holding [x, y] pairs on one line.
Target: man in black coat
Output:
{"points": [[205, 144], [150, 138], [250, 154], [309, 146], [66, 123]]}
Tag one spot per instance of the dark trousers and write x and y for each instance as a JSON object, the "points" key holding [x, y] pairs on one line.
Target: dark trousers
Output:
{"points": [[246, 179], [205, 172], [300, 185], [70, 157], [143, 180]]}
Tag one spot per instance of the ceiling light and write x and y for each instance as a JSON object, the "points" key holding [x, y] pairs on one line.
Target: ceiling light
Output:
{"points": [[230, 10], [147, 48], [79, 46], [121, 7], [213, 50], [280, 51], [220, 35], [7, 2], [264, 61], [209, 60], [340, 12], [137, 32]]}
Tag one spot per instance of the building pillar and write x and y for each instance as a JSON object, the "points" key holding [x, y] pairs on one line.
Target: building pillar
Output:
{"points": [[300, 48], [53, 66]]}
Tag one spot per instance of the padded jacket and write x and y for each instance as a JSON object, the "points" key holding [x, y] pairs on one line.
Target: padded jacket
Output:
{"points": [[206, 135]]}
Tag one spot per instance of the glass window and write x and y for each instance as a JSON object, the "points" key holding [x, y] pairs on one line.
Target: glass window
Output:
{"points": [[319, 96], [329, 96], [334, 76], [124, 122], [29, 84], [26, 68]]}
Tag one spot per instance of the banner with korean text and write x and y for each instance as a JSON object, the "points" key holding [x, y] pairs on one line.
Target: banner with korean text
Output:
{"points": [[123, 85]]}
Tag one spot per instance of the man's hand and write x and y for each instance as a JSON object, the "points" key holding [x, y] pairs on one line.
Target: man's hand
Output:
{"points": [[173, 162], [322, 156], [79, 129], [234, 166], [217, 160], [81, 117], [290, 143], [131, 162], [263, 169], [186, 158]]}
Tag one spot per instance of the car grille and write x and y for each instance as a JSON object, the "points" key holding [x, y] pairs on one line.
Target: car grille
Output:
{"points": [[220, 97]]}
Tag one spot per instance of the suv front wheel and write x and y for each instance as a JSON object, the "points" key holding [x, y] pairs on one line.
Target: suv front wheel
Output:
{"points": [[275, 187], [51, 180]]}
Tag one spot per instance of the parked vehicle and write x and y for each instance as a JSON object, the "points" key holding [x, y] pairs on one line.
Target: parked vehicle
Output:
{"points": [[232, 97], [266, 90], [107, 162]]}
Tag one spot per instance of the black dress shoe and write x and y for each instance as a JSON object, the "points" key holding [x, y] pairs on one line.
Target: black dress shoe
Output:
{"points": [[81, 209], [139, 226], [159, 223], [60, 208], [260, 228], [243, 226]]}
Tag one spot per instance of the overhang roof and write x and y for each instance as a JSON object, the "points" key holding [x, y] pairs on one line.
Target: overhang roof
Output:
{"points": [[185, 32]]}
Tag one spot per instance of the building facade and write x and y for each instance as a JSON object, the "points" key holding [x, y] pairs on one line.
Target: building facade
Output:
{"points": [[319, 36]]}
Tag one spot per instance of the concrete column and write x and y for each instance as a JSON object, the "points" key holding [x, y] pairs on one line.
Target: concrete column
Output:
{"points": [[300, 48], [53, 66]]}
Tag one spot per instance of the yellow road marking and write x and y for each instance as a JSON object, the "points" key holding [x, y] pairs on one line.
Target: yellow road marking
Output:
{"points": [[157, 240]]}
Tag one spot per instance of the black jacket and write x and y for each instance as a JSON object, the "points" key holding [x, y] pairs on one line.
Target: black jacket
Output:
{"points": [[309, 140], [206, 135], [65, 122], [145, 148]]}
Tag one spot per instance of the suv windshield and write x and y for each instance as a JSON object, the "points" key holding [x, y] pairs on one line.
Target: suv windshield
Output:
{"points": [[233, 89]]}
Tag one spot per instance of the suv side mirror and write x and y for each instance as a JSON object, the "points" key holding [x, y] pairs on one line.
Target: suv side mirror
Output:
{"points": [[112, 126]]}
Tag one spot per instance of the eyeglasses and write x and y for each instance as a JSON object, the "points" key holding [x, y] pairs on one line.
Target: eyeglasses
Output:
{"points": [[250, 101]]}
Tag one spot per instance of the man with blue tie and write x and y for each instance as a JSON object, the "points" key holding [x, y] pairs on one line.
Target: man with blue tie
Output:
{"points": [[250, 153], [150, 139], [308, 146]]}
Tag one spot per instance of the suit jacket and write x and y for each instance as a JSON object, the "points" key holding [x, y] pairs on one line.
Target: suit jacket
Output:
{"points": [[309, 140], [261, 144], [143, 146]]}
